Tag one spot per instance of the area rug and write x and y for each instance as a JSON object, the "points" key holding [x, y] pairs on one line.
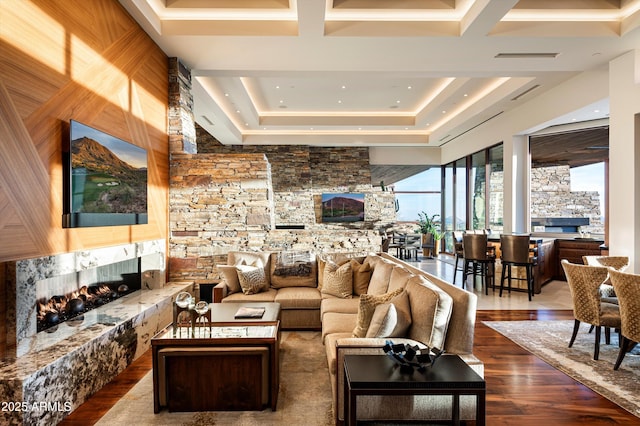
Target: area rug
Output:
{"points": [[304, 397], [548, 340]]}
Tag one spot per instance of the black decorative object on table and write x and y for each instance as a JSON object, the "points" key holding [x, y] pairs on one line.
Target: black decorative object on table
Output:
{"points": [[409, 356]]}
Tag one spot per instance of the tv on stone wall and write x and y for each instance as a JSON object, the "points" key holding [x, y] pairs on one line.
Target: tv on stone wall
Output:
{"points": [[343, 207], [105, 179]]}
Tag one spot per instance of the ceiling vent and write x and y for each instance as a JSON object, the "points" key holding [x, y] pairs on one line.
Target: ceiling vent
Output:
{"points": [[471, 128], [526, 55], [205, 118], [531, 89]]}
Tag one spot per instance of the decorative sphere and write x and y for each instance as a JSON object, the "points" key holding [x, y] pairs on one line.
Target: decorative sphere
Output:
{"points": [[52, 318], [184, 299], [75, 306], [202, 307], [123, 288]]}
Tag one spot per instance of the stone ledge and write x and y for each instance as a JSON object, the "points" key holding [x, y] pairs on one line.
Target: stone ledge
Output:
{"points": [[54, 378]]}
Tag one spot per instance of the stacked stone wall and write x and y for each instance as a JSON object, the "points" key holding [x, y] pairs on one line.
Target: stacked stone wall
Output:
{"points": [[551, 196], [232, 198]]}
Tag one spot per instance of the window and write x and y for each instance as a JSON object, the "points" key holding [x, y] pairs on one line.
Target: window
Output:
{"points": [[496, 189], [478, 182], [418, 193], [568, 181]]}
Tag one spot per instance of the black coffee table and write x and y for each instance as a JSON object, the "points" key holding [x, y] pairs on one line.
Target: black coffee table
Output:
{"points": [[379, 375]]}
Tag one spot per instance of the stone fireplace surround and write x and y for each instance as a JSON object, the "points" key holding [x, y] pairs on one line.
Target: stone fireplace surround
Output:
{"points": [[47, 375]]}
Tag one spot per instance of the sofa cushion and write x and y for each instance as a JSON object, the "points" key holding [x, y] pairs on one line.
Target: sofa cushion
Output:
{"points": [[230, 276], [334, 322], [263, 296], [250, 258], [339, 305], [391, 319], [293, 269], [361, 276], [431, 309], [298, 298], [252, 279], [338, 280], [379, 283], [399, 278], [368, 303]]}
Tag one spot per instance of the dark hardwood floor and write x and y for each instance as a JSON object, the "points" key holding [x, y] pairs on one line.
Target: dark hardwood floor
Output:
{"points": [[521, 389]]}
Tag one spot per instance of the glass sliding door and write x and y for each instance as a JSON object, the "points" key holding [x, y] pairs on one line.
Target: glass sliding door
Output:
{"points": [[478, 190], [448, 206], [496, 189]]}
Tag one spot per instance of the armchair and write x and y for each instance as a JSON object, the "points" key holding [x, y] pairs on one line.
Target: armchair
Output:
{"points": [[584, 283], [627, 287]]}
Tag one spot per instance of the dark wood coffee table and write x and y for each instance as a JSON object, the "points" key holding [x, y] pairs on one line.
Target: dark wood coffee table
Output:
{"points": [[379, 375], [227, 365]]}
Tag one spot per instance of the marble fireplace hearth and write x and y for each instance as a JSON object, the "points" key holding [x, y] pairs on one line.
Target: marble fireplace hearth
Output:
{"points": [[49, 374]]}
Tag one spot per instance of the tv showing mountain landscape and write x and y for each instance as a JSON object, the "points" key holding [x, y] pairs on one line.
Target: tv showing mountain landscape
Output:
{"points": [[346, 207], [106, 179]]}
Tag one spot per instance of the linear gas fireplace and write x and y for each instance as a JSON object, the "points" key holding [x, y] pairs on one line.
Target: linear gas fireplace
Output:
{"points": [[53, 337], [69, 296]]}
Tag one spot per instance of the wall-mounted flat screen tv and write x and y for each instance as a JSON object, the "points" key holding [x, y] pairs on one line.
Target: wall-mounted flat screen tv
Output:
{"points": [[345, 207], [105, 179]]}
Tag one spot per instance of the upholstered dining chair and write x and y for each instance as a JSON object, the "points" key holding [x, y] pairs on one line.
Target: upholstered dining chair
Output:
{"points": [[619, 263], [478, 260], [584, 283], [516, 251], [627, 287]]}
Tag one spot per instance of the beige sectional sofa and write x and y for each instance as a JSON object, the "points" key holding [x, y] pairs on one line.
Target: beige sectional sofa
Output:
{"points": [[360, 302]]}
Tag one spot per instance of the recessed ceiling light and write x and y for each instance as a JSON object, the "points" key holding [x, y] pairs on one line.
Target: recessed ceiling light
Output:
{"points": [[281, 101], [277, 87], [398, 101], [226, 94], [343, 87], [339, 101], [409, 87], [444, 112], [597, 110], [465, 95], [238, 111]]}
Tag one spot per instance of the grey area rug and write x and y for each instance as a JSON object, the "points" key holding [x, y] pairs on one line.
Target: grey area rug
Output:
{"points": [[549, 340], [304, 397]]}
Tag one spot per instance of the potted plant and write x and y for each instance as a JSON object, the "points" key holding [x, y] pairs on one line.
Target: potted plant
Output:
{"points": [[430, 225]]}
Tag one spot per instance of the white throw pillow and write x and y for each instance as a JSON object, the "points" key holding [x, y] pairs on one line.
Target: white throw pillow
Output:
{"points": [[391, 319]]}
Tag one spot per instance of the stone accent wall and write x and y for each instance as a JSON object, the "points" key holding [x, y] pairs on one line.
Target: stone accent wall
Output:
{"points": [[233, 197], [182, 135], [551, 196]]}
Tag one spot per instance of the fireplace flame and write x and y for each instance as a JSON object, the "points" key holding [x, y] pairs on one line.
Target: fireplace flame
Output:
{"points": [[58, 304]]}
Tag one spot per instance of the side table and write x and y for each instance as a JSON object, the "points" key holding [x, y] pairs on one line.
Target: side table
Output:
{"points": [[379, 375]]}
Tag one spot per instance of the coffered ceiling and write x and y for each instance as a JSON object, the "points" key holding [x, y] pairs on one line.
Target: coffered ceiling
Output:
{"points": [[379, 72]]}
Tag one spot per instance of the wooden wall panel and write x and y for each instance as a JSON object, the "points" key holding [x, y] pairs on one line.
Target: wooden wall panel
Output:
{"points": [[91, 62]]}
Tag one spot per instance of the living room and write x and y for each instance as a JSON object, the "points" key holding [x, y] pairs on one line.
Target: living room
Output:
{"points": [[97, 64]]}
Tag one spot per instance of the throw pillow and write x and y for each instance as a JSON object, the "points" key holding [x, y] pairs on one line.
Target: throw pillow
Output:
{"points": [[250, 258], [338, 280], [367, 307], [379, 283], [252, 279], [230, 276], [293, 269], [361, 277], [431, 309], [393, 320]]}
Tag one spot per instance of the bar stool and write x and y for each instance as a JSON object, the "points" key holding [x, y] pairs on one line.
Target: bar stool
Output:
{"points": [[457, 248], [478, 260], [516, 252]]}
